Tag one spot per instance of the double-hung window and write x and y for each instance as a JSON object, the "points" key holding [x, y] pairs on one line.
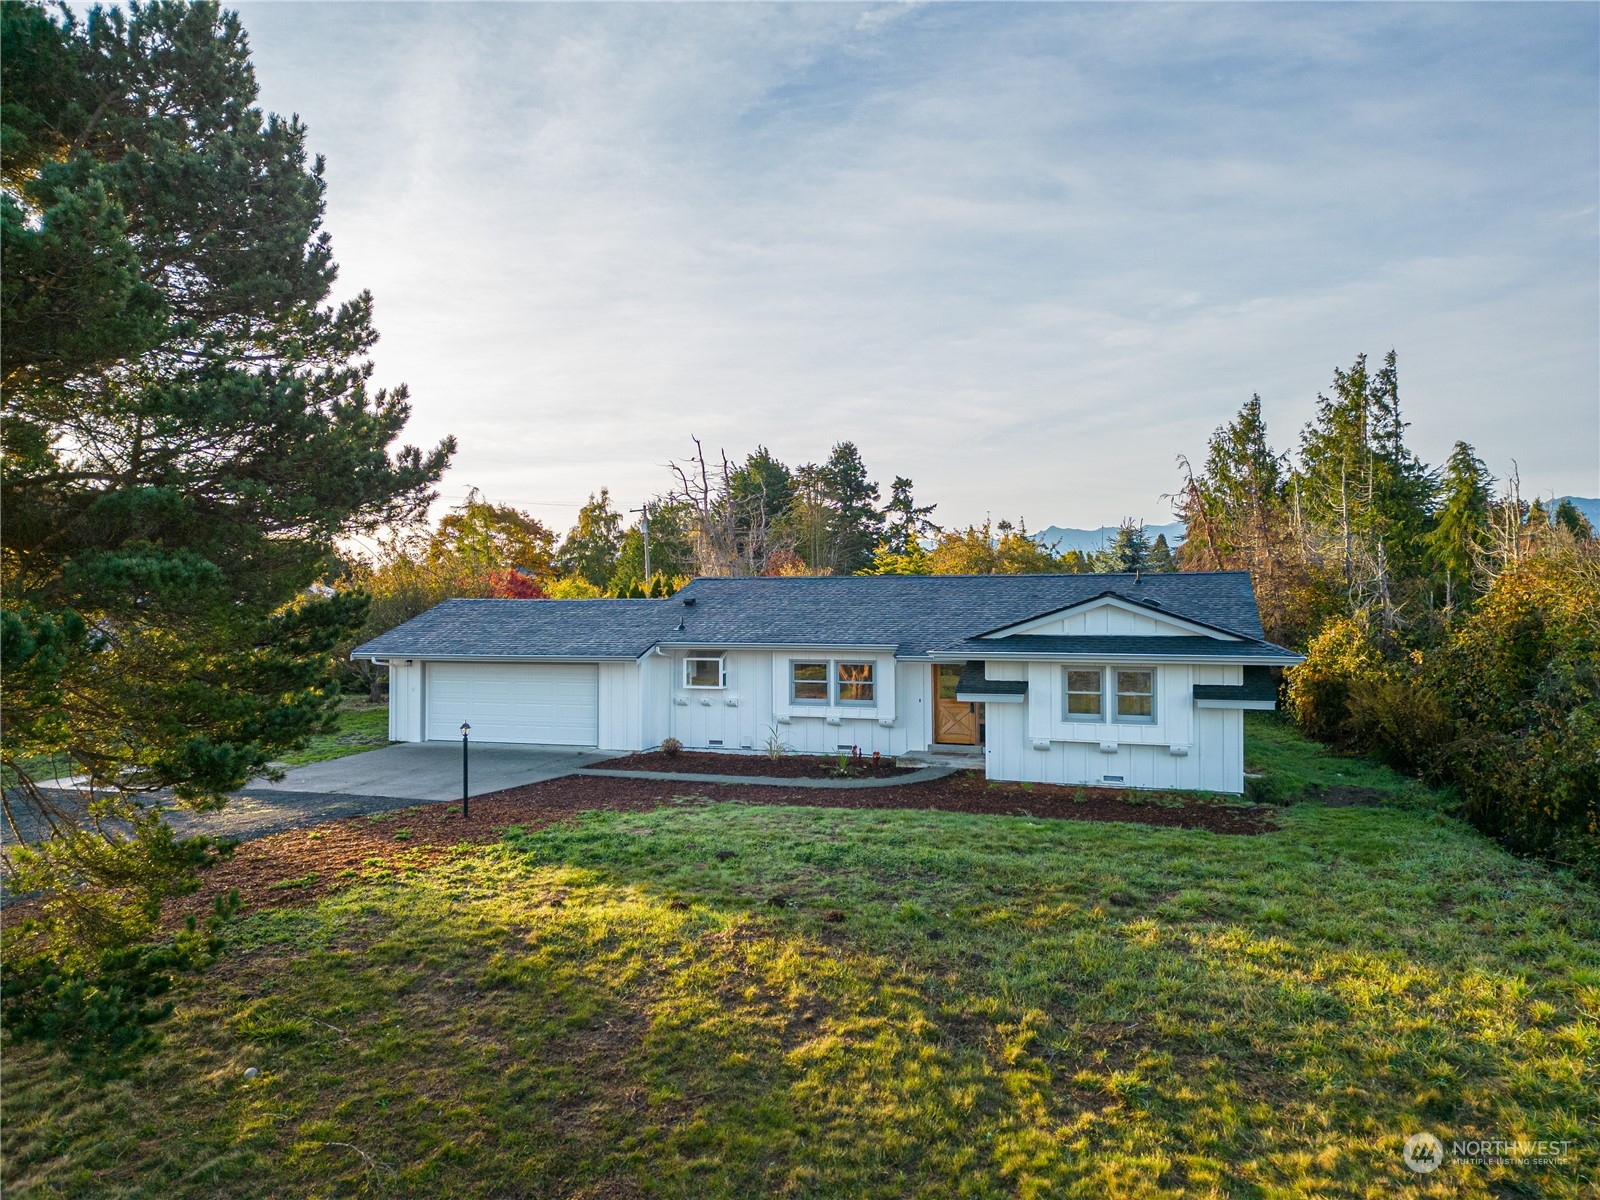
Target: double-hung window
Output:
{"points": [[808, 682], [1085, 694], [1136, 697], [855, 682], [705, 671]]}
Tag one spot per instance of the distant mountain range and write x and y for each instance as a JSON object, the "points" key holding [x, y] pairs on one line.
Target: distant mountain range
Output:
{"points": [[1059, 539]]}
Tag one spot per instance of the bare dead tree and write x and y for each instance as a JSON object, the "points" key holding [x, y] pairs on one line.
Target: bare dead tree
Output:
{"points": [[732, 534]]}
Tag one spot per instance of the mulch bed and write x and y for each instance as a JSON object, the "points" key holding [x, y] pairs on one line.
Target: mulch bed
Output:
{"points": [[790, 766], [302, 865]]}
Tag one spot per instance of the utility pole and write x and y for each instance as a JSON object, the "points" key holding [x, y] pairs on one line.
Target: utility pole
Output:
{"points": [[644, 526]]}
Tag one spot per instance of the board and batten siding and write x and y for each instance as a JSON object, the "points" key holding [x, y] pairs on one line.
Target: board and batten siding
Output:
{"points": [[1210, 742], [1106, 620], [405, 701], [754, 705], [621, 707]]}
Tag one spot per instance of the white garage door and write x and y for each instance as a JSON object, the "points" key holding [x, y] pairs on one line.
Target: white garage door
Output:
{"points": [[553, 704]]}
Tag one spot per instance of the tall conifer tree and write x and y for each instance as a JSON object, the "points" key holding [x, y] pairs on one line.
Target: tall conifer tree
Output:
{"points": [[189, 428], [1462, 528]]}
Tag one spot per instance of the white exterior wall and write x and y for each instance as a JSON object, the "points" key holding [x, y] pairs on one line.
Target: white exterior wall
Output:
{"points": [[1104, 620], [621, 706], [1210, 741], [405, 701], [642, 703], [754, 705]]}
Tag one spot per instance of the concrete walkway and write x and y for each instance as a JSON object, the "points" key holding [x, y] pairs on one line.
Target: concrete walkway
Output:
{"points": [[931, 772]]}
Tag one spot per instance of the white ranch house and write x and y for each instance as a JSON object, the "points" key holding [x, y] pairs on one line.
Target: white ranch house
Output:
{"points": [[1124, 680]]}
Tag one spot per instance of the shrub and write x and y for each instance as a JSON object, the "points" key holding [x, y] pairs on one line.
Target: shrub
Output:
{"points": [[1318, 693], [1522, 679], [671, 746], [1398, 718]]}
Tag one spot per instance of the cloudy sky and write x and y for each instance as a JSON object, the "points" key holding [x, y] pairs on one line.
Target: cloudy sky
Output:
{"points": [[1023, 254]]}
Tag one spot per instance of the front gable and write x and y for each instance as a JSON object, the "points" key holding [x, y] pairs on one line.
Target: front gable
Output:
{"points": [[1110, 614]]}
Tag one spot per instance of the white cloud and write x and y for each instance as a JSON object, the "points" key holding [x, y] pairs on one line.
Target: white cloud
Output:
{"points": [[1024, 255]]}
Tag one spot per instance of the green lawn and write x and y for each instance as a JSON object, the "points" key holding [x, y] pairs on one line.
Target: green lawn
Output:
{"points": [[361, 727], [1296, 764], [729, 1001]]}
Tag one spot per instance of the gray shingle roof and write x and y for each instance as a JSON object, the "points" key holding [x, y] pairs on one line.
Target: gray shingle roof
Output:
{"points": [[915, 614], [1257, 686], [529, 629], [974, 682]]}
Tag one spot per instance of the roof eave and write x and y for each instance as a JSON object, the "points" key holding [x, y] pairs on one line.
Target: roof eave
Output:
{"points": [[430, 656], [1249, 660]]}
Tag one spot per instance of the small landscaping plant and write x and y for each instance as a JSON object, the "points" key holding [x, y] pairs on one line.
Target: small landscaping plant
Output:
{"points": [[776, 747], [671, 747]]}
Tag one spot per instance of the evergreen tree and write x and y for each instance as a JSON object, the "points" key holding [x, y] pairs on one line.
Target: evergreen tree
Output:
{"points": [[855, 526], [589, 551], [671, 549], [1128, 552], [833, 521], [1462, 524], [1239, 497], [761, 490], [1360, 484], [906, 523], [188, 430], [1161, 555], [1574, 522], [806, 527]]}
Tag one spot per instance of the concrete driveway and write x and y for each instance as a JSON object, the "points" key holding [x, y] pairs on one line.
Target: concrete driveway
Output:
{"points": [[430, 770]]}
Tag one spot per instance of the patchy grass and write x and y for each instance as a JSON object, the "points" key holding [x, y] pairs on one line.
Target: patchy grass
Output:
{"points": [[360, 727], [733, 1001], [1274, 748]]}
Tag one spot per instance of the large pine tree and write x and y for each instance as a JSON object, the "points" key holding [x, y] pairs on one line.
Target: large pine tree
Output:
{"points": [[188, 430]]}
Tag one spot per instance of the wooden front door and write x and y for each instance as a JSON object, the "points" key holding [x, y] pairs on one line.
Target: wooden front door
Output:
{"points": [[955, 722]]}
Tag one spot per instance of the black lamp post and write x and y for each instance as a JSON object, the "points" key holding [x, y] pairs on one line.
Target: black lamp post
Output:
{"points": [[465, 729]]}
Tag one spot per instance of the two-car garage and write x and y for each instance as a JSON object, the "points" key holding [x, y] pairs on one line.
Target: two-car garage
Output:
{"points": [[549, 704]]}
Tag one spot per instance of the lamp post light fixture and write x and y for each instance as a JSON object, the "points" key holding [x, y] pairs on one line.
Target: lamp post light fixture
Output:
{"points": [[465, 729]]}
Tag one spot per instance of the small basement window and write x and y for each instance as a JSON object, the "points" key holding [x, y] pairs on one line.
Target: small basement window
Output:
{"points": [[1085, 695], [855, 682], [808, 682], [705, 672], [1136, 697]]}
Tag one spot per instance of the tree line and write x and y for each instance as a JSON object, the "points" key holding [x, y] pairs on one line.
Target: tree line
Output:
{"points": [[1451, 627], [755, 516]]}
